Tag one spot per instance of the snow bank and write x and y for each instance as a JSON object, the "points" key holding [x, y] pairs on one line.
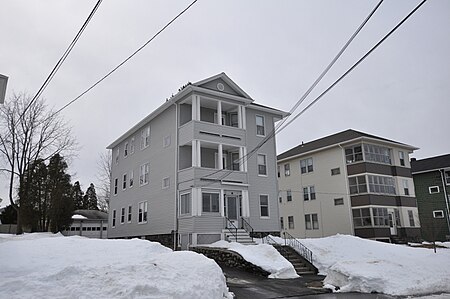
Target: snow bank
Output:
{"points": [[361, 265], [54, 266], [262, 255]]}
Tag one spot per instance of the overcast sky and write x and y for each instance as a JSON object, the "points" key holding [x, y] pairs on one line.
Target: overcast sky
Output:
{"points": [[274, 50]]}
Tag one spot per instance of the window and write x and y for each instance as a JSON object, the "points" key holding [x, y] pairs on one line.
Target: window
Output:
{"points": [[405, 187], [438, 214], [131, 178], [280, 199], [309, 193], [125, 149], [142, 212], [114, 218], [166, 141], [185, 204], [116, 183], [353, 154], [287, 169], [166, 183], [335, 171], [338, 201], [361, 217], [145, 137], [378, 154], [264, 205], [117, 155], [260, 129], [278, 171], [381, 184], [306, 165], [143, 178], [291, 222], [447, 177], [122, 216], [357, 184], [262, 167], [132, 145], [311, 221], [401, 156], [210, 202], [397, 217], [289, 195], [433, 189], [281, 223], [129, 214], [124, 181], [380, 217], [411, 218]]}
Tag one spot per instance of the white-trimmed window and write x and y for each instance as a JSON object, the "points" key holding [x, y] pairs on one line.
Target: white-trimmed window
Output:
{"points": [[380, 217], [143, 176], [125, 149], [411, 218], [130, 210], [132, 145], [309, 193], [185, 204], [405, 187], [287, 169], [142, 212], [353, 154], [339, 201], [361, 217], [447, 177], [311, 221], [289, 195], [117, 155], [376, 153], [381, 184], [306, 165], [210, 202], [167, 141], [145, 137], [433, 189], [113, 224], [438, 214], [131, 179], [401, 156], [124, 181], [278, 171], [122, 216], [291, 222], [262, 164], [357, 184], [281, 222], [260, 126], [264, 205], [335, 171], [116, 184], [166, 183]]}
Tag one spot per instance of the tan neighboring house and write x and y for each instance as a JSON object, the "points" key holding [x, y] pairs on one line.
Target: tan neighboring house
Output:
{"points": [[349, 183]]}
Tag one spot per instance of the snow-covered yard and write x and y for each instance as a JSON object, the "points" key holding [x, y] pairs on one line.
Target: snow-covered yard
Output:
{"points": [[360, 265], [54, 266]]}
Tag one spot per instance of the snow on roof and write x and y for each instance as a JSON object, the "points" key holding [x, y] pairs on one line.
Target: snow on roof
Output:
{"points": [[78, 216]]}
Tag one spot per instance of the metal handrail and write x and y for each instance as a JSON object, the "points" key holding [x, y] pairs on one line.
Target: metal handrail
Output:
{"points": [[247, 227], [300, 248], [235, 233]]}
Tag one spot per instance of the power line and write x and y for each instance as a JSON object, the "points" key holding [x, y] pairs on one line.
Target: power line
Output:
{"points": [[126, 60], [303, 97]]}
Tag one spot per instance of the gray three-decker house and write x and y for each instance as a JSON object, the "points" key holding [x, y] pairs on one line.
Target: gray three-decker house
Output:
{"points": [[187, 174]]}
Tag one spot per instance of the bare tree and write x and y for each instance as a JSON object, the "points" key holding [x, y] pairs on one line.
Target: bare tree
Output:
{"points": [[29, 131], [104, 178]]}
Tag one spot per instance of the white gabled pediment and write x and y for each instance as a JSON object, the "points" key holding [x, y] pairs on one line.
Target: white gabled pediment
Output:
{"points": [[222, 83]]}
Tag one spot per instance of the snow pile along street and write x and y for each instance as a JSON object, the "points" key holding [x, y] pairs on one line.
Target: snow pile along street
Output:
{"points": [[262, 255], [360, 265], [54, 266]]}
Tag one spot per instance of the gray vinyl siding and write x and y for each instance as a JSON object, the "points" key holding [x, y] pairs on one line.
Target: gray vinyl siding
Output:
{"points": [[213, 86], [161, 202], [262, 184], [202, 224]]}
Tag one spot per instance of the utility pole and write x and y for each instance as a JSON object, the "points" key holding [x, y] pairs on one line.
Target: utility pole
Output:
{"points": [[3, 82]]}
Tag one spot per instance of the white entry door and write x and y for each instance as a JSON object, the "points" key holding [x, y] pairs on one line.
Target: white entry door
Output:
{"points": [[392, 222], [231, 210]]}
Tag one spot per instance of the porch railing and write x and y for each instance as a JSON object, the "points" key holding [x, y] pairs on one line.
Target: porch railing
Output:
{"points": [[231, 228], [247, 227], [299, 247]]}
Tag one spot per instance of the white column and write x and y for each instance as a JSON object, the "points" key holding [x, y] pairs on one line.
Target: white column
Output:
{"points": [[220, 156], [244, 118], [219, 113], [194, 153], [244, 160], [245, 204], [194, 202], [199, 154], [240, 116], [241, 158], [198, 108], [222, 203], [194, 108]]}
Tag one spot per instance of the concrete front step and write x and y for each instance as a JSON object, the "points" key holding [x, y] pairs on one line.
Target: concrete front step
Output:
{"points": [[241, 236]]}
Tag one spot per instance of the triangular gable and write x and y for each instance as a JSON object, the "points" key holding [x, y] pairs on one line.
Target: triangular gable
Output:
{"points": [[222, 81]]}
